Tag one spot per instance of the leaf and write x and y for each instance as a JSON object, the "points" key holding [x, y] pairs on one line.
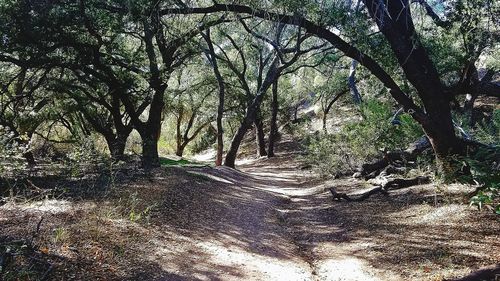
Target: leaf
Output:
{"points": [[44, 250]]}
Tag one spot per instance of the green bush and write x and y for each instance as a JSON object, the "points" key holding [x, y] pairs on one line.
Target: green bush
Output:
{"points": [[362, 140], [485, 171], [488, 131]]}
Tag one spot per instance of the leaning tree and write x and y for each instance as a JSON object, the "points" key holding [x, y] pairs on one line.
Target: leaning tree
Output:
{"points": [[394, 20]]}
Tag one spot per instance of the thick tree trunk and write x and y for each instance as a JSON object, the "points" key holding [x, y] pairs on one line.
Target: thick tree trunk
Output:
{"points": [[150, 157], [30, 158], [117, 147], [250, 115], [116, 142], [273, 133], [240, 134], [260, 137], [446, 147], [180, 150], [236, 141], [394, 21]]}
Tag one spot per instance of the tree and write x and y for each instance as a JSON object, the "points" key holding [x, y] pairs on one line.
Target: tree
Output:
{"points": [[22, 104], [394, 20], [190, 104], [99, 106], [211, 56], [271, 64]]}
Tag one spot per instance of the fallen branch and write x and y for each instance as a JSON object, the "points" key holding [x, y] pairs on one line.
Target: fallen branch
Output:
{"points": [[339, 196], [371, 170], [36, 231], [382, 188]]}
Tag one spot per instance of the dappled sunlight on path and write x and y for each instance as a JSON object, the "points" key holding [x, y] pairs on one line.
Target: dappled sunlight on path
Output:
{"points": [[268, 220]]}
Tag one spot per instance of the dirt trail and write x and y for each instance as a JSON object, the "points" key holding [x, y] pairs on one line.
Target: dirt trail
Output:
{"points": [[270, 220], [311, 223], [414, 234], [262, 223]]}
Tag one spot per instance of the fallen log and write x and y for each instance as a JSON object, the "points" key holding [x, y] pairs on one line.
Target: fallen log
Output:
{"points": [[382, 188], [371, 170], [487, 273], [339, 196]]}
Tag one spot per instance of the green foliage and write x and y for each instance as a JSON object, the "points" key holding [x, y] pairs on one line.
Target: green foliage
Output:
{"points": [[206, 140], [485, 171], [484, 163], [488, 130], [136, 211], [362, 140], [172, 162]]}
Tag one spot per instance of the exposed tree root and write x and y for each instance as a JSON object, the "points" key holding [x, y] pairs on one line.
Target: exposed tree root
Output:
{"points": [[383, 188]]}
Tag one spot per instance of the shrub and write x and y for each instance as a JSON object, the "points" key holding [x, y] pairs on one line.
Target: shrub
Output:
{"points": [[362, 140]]}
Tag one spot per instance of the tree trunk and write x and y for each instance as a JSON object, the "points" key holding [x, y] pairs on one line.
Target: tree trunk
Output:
{"points": [[394, 21], [116, 143], [250, 115], [240, 134], [273, 133], [30, 158], [260, 137], [220, 108], [235, 143], [356, 96], [117, 148], [446, 147], [220, 132], [329, 107], [180, 150], [150, 158]]}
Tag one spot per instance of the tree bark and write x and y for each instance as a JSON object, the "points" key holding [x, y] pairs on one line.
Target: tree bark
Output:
{"points": [[247, 121], [116, 145], [356, 96], [273, 132], [30, 158], [220, 130], [251, 114], [260, 136], [394, 21], [220, 108], [150, 157], [180, 150], [329, 107], [231, 154]]}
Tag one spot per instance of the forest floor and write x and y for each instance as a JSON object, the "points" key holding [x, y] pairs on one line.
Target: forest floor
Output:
{"points": [[271, 220]]}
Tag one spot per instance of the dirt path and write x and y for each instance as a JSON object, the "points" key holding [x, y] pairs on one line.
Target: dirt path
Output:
{"points": [[414, 234], [311, 222], [269, 221], [262, 223]]}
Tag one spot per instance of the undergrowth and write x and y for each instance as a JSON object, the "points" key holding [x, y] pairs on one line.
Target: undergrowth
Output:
{"points": [[361, 141]]}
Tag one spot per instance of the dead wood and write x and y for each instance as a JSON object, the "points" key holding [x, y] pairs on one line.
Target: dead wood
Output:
{"points": [[488, 273], [371, 170], [382, 188], [339, 196]]}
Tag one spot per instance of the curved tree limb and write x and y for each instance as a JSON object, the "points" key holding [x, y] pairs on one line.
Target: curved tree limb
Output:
{"points": [[321, 32]]}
